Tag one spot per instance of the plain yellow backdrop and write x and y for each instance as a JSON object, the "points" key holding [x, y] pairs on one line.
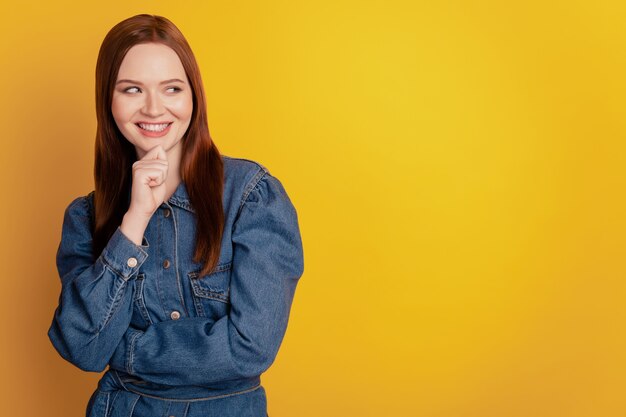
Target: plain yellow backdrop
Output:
{"points": [[458, 168]]}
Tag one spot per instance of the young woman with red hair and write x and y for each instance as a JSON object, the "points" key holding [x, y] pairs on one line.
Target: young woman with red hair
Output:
{"points": [[178, 271]]}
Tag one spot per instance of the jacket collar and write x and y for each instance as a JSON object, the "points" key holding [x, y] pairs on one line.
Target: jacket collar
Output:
{"points": [[180, 198]]}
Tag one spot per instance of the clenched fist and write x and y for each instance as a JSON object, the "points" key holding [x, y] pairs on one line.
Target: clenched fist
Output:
{"points": [[148, 189], [147, 194]]}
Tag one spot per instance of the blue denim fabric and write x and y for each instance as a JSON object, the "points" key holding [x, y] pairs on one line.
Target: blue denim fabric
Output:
{"points": [[167, 333]]}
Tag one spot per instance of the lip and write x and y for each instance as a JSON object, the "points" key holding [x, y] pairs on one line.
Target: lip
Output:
{"points": [[151, 134]]}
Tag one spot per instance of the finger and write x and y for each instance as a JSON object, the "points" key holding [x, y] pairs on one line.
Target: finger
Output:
{"points": [[161, 153], [152, 176], [154, 183], [152, 153], [160, 177], [153, 163]]}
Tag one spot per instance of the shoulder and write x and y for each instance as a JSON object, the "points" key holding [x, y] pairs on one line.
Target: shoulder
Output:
{"points": [[241, 168], [242, 175], [81, 206], [78, 218], [251, 181]]}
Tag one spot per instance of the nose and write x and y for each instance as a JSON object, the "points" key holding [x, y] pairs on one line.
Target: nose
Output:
{"points": [[153, 105]]}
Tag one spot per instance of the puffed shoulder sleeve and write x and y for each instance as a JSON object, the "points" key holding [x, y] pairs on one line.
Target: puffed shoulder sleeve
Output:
{"points": [[94, 307], [267, 263]]}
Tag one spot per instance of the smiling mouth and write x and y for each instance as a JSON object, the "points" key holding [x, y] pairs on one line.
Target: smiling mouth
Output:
{"points": [[154, 127]]}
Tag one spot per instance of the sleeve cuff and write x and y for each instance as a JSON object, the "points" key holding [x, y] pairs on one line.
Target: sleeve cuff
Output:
{"points": [[123, 256], [122, 358]]}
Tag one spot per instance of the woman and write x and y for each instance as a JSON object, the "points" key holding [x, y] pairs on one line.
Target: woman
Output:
{"points": [[179, 269]]}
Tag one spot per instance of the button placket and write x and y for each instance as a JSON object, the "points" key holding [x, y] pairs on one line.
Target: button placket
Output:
{"points": [[168, 285]]}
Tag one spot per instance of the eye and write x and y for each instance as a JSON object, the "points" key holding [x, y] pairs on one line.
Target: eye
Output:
{"points": [[131, 90], [174, 89]]}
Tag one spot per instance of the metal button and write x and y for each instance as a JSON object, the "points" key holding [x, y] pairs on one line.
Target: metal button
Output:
{"points": [[132, 262], [166, 264], [175, 315], [167, 212]]}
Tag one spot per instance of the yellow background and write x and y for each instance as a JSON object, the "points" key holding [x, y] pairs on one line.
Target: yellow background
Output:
{"points": [[458, 170]]}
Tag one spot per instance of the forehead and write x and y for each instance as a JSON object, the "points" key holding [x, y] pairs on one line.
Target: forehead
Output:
{"points": [[151, 61]]}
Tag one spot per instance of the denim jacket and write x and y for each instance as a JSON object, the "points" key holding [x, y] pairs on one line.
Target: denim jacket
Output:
{"points": [[162, 328]]}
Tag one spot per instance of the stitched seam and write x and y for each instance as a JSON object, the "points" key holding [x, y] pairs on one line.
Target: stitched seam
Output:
{"points": [[131, 350], [113, 306], [216, 397], [202, 293], [113, 269], [106, 407], [206, 293], [101, 326], [167, 411], [232, 158], [116, 375], [220, 268], [138, 287], [158, 276], [181, 204], [139, 248], [132, 409], [113, 401], [178, 280], [199, 308], [251, 186], [140, 301]]}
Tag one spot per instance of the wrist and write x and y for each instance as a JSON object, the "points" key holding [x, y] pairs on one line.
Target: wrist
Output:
{"points": [[134, 226]]}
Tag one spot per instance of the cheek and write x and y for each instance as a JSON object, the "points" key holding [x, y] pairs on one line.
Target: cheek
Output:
{"points": [[183, 108], [118, 111]]}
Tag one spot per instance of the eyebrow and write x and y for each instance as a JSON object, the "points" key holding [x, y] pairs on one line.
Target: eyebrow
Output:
{"points": [[139, 83]]}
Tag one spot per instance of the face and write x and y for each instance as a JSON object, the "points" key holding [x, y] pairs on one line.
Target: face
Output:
{"points": [[152, 99]]}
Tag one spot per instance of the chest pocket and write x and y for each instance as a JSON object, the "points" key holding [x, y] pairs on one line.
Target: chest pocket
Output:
{"points": [[211, 293]]}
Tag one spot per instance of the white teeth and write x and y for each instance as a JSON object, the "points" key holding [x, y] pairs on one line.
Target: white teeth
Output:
{"points": [[154, 127]]}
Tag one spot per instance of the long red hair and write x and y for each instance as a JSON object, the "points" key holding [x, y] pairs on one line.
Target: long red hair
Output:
{"points": [[201, 164]]}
